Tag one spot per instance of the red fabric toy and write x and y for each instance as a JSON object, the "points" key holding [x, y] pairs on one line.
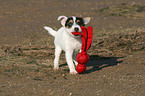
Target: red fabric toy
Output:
{"points": [[82, 57]]}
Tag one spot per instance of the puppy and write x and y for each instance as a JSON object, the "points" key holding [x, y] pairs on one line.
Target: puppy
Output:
{"points": [[66, 41]]}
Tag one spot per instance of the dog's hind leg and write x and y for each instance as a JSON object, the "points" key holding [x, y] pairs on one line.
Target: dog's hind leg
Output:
{"points": [[70, 63], [57, 54], [75, 57]]}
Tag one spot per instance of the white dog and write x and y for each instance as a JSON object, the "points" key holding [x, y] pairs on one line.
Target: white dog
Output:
{"points": [[66, 41]]}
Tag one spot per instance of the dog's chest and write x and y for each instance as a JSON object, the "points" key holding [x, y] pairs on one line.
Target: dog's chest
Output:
{"points": [[73, 44], [76, 43], [67, 42]]}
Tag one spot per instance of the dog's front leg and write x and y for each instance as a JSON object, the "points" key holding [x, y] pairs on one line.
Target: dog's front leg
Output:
{"points": [[57, 54], [69, 60]]}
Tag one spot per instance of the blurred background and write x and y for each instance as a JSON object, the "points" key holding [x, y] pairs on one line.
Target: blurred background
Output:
{"points": [[20, 18]]}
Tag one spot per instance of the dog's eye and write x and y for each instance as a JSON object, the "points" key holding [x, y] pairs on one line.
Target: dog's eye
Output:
{"points": [[70, 24], [79, 23]]}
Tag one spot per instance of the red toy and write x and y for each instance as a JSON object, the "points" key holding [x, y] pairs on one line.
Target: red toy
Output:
{"points": [[82, 57]]}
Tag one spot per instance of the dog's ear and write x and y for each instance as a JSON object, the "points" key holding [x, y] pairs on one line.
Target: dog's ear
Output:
{"points": [[63, 19], [86, 20]]}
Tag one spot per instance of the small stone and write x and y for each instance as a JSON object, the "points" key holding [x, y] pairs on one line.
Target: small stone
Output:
{"points": [[70, 94]]}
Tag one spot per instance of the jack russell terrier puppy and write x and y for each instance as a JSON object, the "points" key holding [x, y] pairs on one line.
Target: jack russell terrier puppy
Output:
{"points": [[66, 41]]}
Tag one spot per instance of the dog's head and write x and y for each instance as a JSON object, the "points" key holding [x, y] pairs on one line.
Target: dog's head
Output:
{"points": [[73, 24]]}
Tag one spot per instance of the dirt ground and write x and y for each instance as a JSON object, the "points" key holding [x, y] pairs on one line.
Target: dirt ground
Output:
{"points": [[117, 55]]}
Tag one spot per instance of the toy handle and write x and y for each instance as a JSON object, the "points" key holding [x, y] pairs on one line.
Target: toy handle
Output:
{"points": [[87, 38], [90, 37], [84, 38]]}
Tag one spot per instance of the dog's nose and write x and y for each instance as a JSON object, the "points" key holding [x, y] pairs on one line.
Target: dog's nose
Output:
{"points": [[76, 29]]}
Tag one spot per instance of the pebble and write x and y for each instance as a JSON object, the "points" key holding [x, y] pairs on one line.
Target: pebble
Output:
{"points": [[70, 94]]}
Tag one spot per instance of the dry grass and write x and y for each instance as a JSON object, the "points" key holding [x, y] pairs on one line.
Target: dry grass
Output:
{"points": [[126, 42], [125, 10]]}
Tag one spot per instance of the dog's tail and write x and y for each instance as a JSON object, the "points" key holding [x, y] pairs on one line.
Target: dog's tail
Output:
{"points": [[50, 31]]}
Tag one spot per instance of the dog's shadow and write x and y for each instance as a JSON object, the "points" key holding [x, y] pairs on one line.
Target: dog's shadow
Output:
{"points": [[97, 63]]}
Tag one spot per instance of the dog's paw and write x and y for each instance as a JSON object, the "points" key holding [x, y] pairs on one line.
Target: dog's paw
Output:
{"points": [[56, 68], [73, 72]]}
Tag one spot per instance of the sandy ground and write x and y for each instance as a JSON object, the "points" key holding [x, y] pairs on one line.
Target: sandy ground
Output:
{"points": [[27, 51]]}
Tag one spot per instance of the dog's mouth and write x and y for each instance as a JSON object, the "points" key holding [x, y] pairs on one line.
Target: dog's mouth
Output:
{"points": [[76, 33]]}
